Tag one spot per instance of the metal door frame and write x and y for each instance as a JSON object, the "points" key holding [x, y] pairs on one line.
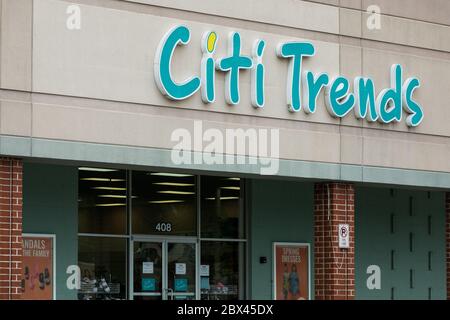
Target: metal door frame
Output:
{"points": [[164, 241]]}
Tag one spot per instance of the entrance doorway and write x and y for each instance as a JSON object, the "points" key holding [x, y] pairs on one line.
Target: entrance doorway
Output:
{"points": [[163, 269]]}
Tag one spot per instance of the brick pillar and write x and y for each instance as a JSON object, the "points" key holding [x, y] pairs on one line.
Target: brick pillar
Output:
{"points": [[10, 228], [447, 236], [334, 268]]}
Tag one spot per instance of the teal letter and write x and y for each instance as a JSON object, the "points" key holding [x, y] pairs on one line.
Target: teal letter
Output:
{"points": [[410, 106], [163, 57], [365, 106], [295, 51], [233, 63], [258, 74], [315, 84], [208, 73], [339, 102], [389, 101]]}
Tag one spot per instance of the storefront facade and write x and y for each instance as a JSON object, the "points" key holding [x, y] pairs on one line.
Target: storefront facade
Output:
{"points": [[210, 150]]}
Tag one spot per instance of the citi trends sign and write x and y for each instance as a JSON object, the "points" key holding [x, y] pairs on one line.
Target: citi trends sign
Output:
{"points": [[303, 87]]}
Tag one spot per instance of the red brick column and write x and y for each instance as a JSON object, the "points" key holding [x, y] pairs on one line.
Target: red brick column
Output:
{"points": [[334, 268], [447, 235], [10, 228]]}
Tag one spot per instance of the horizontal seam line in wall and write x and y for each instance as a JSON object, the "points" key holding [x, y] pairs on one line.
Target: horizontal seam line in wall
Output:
{"points": [[383, 14], [398, 44], [313, 2], [215, 112], [372, 42], [263, 23], [294, 160]]}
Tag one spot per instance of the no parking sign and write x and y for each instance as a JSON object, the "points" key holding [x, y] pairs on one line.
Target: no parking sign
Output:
{"points": [[344, 236]]}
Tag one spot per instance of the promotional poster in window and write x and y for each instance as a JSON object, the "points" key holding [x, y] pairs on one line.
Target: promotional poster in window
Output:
{"points": [[291, 271], [37, 276]]}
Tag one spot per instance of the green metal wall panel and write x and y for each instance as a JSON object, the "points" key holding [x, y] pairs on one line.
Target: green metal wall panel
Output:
{"points": [[419, 214], [280, 211], [50, 206]]}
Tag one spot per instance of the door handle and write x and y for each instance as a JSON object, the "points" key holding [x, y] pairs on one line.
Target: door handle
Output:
{"points": [[169, 293]]}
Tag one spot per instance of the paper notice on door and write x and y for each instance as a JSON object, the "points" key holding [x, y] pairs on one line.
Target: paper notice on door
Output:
{"points": [[180, 268], [147, 267], [204, 270]]}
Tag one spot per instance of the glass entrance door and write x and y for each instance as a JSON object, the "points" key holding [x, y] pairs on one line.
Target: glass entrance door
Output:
{"points": [[181, 271], [148, 273], [163, 269]]}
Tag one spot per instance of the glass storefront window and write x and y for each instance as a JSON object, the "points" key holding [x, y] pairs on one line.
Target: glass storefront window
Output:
{"points": [[221, 212], [102, 262], [102, 200], [164, 204], [224, 261], [112, 208]]}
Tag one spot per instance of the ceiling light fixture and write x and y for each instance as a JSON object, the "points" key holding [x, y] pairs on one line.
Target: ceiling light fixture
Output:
{"points": [[231, 188], [102, 179], [110, 188], [112, 196], [165, 201], [224, 198], [168, 174], [96, 169], [176, 192], [173, 184]]}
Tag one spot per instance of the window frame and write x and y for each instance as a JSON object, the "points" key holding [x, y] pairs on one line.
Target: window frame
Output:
{"points": [[244, 265]]}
